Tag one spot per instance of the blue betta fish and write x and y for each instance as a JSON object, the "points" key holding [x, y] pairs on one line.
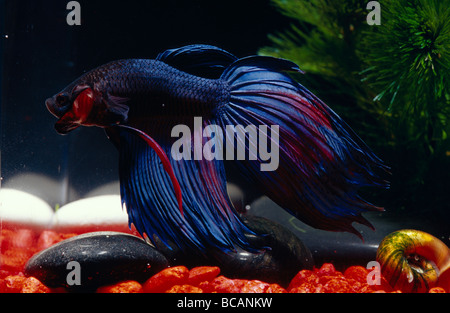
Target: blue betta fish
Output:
{"points": [[183, 201]]}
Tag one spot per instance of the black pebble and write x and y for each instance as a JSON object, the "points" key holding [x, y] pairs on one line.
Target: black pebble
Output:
{"points": [[287, 256], [103, 257]]}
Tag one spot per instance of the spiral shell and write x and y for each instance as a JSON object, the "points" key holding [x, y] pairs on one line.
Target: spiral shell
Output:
{"points": [[412, 260]]}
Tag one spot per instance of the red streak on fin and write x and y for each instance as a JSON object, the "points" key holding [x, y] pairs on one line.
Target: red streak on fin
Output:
{"points": [[165, 161]]}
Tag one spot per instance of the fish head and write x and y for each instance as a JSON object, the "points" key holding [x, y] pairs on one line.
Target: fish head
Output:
{"points": [[83, 104], [73, 106]]}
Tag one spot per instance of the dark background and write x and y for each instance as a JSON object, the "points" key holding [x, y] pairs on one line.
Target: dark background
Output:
{"points": [[42, 54]]}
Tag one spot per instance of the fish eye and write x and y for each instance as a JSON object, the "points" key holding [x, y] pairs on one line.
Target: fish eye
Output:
{"points": [[62, 98]]}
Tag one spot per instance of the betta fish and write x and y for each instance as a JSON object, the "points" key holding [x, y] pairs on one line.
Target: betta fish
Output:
{"points": [[321, 166]]}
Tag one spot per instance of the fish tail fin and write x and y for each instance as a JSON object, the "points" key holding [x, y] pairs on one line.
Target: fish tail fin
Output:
{"points": [[310, 162]]}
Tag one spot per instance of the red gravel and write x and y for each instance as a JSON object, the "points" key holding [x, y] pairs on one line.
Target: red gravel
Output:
{"points": [[18, 245]]}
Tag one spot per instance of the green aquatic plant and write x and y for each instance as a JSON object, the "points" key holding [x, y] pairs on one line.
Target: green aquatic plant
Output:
{"points": [[391, 82], [408, 65]]}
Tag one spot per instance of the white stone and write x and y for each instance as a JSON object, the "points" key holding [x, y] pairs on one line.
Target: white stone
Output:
{"points": [[19, 207], [101, 211]]}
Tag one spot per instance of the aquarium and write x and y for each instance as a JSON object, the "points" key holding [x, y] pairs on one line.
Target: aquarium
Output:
{"points": [[225, 146]]}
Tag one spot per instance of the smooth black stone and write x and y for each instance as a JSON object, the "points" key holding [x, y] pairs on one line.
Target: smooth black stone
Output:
{"points": [[287, 256], [104, 258]]}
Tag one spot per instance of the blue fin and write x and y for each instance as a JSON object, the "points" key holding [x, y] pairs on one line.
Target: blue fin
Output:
{"points": [[162, 157], [201, 60], [321, 164], [209, 219]]}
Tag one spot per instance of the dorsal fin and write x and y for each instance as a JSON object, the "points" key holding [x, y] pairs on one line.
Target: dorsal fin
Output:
{"points": [[201, 60]]}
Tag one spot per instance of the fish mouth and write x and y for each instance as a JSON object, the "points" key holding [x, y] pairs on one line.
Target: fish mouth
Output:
{"points": [[63, 127]]}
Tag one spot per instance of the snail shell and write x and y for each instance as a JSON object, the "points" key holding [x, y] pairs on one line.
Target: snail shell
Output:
{"points": [[412, 260]]}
